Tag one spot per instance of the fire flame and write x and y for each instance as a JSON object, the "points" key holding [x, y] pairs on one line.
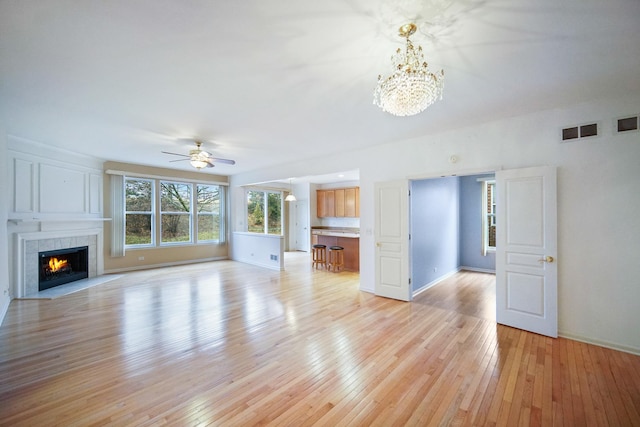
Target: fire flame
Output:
{"points": [[56, 264]]}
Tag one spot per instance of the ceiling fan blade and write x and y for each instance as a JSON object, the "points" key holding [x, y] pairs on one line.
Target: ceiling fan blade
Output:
{"points": [[178, 160], [175, 154], [219, 160]]}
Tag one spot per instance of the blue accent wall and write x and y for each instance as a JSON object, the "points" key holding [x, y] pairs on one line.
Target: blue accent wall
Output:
{"points": [[471, 225], [435, 211], [446, 228]]}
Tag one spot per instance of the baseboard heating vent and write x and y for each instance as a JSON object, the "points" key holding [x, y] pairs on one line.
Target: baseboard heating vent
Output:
{"points": [[627, 124], [582, 131]]}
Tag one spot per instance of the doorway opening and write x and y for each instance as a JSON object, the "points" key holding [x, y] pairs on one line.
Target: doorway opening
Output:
{"points": [[447, 221]]}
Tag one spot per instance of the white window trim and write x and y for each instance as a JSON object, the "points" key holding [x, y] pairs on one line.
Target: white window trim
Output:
{"points": [[486, 249], [119, 193], [265, 231], [153, 214]]}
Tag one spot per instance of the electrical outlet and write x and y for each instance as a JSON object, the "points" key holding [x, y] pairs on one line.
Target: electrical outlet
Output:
{"points": [[140, 258], [435, 269]]}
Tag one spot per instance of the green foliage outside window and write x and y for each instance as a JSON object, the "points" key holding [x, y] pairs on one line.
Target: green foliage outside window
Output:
{"points": [[139, 212], [175, 207], [177, 220], [264, 207], [208, 207]]}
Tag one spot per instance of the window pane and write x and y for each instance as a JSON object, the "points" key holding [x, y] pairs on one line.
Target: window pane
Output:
{"points": [[138, 229], [208, 198], [175, 197], [176, 228], [491, 211], [255, 211], [208, 208], [275, 213], [138, 195], [208, 228]]}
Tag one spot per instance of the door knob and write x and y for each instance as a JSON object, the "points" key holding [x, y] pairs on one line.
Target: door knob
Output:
{"points": [[548, 259]]}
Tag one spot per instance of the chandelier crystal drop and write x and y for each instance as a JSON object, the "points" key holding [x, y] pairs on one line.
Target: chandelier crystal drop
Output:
{"points": [[413, 86]]}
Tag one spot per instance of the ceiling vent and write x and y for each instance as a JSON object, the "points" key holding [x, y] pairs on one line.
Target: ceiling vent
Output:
{"points": [[627, 124], [578, 132]]}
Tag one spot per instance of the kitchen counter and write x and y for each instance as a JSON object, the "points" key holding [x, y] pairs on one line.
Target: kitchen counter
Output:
{"points": [[348, 232]]}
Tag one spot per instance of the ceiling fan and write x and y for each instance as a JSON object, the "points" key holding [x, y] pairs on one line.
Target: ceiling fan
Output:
{"points": [[199, 158]]}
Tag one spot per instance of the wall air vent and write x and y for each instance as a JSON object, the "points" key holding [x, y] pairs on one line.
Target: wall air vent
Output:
{"points": [[627, 124], [578, 132]]}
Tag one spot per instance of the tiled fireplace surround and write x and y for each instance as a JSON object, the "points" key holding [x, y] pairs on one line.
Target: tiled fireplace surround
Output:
{"points": [[30, 244]]}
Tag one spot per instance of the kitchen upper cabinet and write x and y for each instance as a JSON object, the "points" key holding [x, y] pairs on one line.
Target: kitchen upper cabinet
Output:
{"points": [[326, 203], [352, 202], [339, 203]]}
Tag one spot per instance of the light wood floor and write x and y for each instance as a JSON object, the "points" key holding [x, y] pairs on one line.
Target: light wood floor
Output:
{"points": [[225, 343]]}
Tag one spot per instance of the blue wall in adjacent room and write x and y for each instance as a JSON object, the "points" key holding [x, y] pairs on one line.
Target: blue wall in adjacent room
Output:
{"points": [[446, 228], [471, 226], [435, 211]]}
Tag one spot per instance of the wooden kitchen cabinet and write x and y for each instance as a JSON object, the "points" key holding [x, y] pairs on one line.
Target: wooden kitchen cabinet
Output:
{"points": [[338, 203], [352, 202], [326, 203]]}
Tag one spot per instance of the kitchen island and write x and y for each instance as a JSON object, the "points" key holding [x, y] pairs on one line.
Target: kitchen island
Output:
{"points": [[348, 238]]}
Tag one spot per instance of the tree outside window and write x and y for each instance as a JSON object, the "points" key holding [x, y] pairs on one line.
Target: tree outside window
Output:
{"points": [[208, 208], [264, 212], [139, 212], [175, 212], [190, 213]]}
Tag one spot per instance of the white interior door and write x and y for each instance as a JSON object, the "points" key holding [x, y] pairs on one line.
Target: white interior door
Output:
{"points": [[302, 226], [392, 240], [526, 250]]}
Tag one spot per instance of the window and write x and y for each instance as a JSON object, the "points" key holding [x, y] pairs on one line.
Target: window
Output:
{"points": [[139, 212], [264, 212], [208, 208], [189, 213], [488, 216], [175, 212]]}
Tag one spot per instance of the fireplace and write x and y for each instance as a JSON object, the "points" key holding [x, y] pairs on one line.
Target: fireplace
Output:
{"points": [[61, 266]]}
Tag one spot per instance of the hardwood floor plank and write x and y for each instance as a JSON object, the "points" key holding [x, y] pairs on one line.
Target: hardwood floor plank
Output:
{"points": [[225, 343]]}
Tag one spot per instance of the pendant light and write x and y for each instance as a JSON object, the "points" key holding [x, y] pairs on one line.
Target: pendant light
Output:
{"points": [[290, 197]]}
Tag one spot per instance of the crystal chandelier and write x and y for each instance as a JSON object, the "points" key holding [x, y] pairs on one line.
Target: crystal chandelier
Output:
{"points": [[412, 87]]}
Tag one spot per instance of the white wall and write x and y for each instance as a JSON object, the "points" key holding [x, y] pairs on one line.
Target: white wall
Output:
{"points": [[598, 202], [259, 249], [4, 214]]}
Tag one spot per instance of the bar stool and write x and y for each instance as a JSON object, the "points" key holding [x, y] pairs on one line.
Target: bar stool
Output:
{"points": [[319, 256], [336, 258]]}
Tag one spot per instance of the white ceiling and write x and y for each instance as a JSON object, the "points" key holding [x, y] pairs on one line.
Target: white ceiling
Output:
{"points": [[270, 82]]}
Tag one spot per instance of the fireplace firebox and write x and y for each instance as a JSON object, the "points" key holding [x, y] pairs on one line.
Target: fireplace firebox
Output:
{"points": [[62, 266]]}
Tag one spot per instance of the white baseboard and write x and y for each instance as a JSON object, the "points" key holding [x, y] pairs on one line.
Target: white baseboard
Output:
{"points": [[477, 270], [606, 344], [4, 308], [164, 264], [435, 282]]}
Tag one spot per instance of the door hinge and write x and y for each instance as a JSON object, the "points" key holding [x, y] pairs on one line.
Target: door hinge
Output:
{"points": [[409, 280]]}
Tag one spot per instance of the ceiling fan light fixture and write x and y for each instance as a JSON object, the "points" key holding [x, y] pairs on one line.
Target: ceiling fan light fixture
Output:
{"points": [[413, 86], [198, 163]]}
